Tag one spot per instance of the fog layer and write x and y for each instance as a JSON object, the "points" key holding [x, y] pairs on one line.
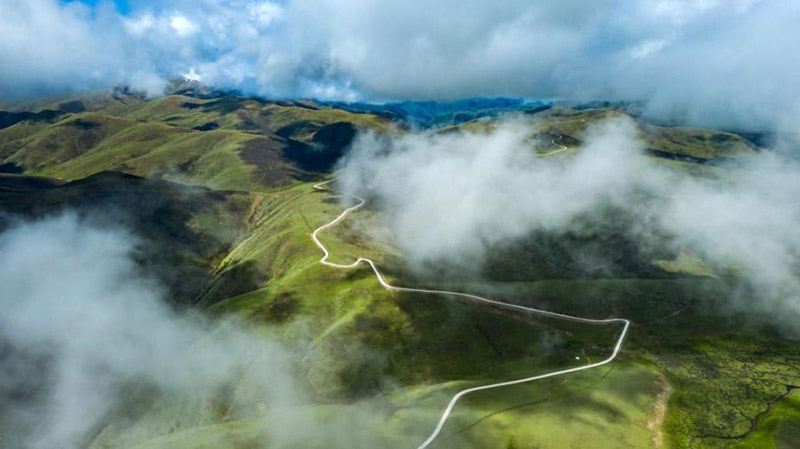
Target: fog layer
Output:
{"points": [[84, 334]]}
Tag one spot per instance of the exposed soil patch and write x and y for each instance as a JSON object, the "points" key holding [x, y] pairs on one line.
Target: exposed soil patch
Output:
{"points": [[656, 423], [281, 308]]}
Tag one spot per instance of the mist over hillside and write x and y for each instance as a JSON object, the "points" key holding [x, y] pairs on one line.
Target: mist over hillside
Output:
{"points": [[742, 215], [89, 333], [581, 208]]}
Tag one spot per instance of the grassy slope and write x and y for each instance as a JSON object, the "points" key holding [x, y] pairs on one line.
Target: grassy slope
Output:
{"points": [[604, 408], [320, 311], [666, 143], [681, 141], [185, 231], [159, 138], [406, 327], [724, 371], [779, 430], [422, 343]]}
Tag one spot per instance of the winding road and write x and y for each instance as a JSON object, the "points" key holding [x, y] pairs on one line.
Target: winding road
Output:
{"points": [[446, 413], [550, 153]]}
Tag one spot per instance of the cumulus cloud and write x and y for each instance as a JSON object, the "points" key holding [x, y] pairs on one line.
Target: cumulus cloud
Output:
{"points": [[456, 196], [710, 62]]}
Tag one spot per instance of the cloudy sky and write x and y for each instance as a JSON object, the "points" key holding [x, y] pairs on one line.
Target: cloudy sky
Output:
{"points": [[716, 62]]}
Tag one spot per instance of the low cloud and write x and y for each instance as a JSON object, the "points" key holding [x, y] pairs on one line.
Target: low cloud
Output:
{"points": [[91, 353], [83, 331], [483, 189], [454, 197]]}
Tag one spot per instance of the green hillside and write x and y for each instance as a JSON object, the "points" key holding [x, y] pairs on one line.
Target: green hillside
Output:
{"points": [[224, 142], [674, 144], [185, 231], [219, 188], [696, 144]]}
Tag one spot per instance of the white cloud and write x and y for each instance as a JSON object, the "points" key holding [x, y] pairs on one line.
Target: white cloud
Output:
{"points": [[182, 25], [682, 11], [266, 13], [93, 357], [671, 54], [148, 82], [84, 329], [647, 48], [140, 25], [192, 75], [485, 189], [450, 198]]}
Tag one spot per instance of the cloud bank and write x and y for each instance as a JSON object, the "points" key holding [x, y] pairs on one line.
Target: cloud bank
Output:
{"points": [[711, 62], [457, 196]]}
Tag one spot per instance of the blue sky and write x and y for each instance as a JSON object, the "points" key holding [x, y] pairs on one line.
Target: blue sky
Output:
{"points": [[122, 5]]}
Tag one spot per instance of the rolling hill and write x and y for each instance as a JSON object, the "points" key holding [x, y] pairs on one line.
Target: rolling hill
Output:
{"points": [[223, 142], [219, 189]]}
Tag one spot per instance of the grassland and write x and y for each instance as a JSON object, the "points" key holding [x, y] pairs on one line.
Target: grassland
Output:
{"points": [[606, 408], [378, 366], [394, 359], [240, 143], [725, 372], [779, 429], [674, 145], [225, 142], [699, 144], [185, 231]]}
